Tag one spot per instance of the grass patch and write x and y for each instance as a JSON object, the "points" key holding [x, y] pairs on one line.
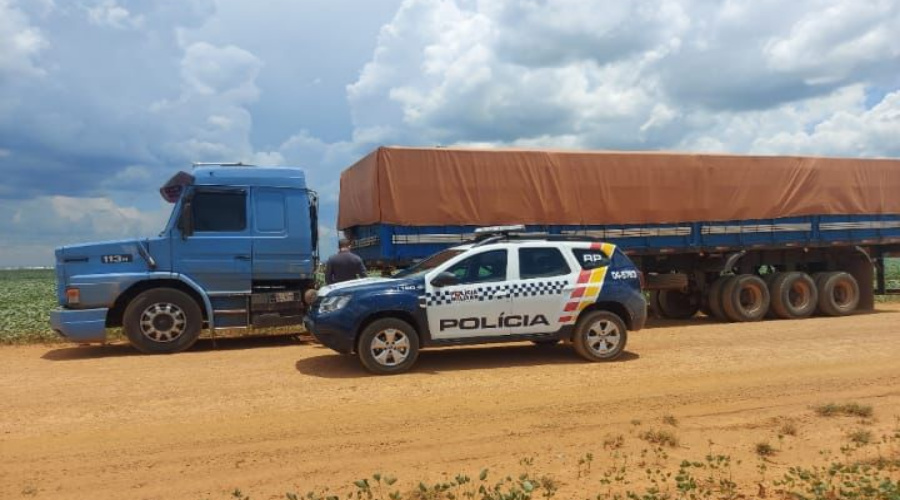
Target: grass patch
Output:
{"points": [[788, 428], [613, 442], [661, 437], [670, 420], [765, 450], [860, 437], [844, 410]]}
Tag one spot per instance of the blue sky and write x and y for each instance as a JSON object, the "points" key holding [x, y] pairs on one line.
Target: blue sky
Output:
{"points": [[102, 100]]}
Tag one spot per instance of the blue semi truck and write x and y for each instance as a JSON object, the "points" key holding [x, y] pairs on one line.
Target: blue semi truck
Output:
{"points": [[238, 251], [738, 237]]}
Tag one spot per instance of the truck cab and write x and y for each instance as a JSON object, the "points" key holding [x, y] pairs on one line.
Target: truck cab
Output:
{"points": [[240, 250]]}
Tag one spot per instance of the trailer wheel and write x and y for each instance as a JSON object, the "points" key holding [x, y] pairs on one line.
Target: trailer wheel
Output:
{"points": [[794, 295], [162, 321], [714, 298], [838, 294], [745, 298], [388, 346], [600, 336], [675, 304]]}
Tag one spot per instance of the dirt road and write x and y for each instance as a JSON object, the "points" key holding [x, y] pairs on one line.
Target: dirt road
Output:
{"points": [[270, 416]]}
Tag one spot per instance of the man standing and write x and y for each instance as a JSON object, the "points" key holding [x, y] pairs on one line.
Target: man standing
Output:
{"points": [[344, 265]]}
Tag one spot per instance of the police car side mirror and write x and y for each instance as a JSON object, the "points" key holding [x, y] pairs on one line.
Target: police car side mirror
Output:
{"points": [[445, 279]]}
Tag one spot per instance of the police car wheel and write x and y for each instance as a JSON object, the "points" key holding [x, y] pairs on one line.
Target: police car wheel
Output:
{"points": [[600, 336], [162, 321], [388, 346]]}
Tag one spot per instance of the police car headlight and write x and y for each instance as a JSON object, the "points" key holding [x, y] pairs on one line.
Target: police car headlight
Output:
{"points": [[331, 304]]}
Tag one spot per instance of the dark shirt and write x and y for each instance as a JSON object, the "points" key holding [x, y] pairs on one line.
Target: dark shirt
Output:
{"points": [[344, 266]]}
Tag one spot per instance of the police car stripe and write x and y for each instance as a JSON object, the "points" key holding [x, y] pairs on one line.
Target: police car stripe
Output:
{"points": [[490, 292], [588, 286]]}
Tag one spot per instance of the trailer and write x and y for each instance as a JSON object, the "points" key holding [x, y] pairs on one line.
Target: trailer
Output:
{"points": [[739, 237]]}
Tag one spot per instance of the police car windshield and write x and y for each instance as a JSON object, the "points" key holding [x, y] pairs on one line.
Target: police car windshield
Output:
{"points": [[428, 264]]}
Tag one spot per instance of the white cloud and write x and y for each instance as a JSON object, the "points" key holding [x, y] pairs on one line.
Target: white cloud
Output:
{"points": [[110, 14], [839, 40], [20, 43], [653, 74]]}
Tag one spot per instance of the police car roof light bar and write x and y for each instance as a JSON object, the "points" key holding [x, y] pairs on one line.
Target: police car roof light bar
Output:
{"points": [[220, 164], [518, 228]]}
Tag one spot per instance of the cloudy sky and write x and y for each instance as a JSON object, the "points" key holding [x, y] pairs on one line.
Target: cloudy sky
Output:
{"points": [[102, 100]]}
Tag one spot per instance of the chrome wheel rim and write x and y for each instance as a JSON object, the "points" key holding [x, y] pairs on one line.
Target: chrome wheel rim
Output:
{"points": [[603, 337], [163, 322], [390, 347]]}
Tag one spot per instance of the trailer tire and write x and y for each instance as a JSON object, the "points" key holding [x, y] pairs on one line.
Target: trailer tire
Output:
{"points": [[162, 321], [794, 295], [675, 304], [600, 336], [388, 346], [714, 298], [838, 294], [745, 298]]}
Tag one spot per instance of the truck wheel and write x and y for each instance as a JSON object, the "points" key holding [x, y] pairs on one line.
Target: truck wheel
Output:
{"points": [[745, 298], [714, 298], [600, 336], [838, 294], [675, 304], [794, 295], [162, 321], [388, 346]]}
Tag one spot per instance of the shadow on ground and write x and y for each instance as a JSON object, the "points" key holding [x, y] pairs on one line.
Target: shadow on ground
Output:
{"points": [[333, 365], [70, 353]]}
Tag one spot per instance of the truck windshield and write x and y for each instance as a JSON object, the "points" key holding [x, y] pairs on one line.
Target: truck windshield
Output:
{"points": [[428, 264]]}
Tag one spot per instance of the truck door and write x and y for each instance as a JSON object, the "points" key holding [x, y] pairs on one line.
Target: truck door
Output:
{"points": [[477, 304], [545, 281], [212, 243]]}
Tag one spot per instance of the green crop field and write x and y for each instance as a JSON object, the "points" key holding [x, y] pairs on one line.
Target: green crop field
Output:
{"points": [[28, 295], [26, 298]]}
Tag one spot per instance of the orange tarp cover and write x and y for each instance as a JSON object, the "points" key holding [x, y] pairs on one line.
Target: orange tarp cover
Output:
{"points": [[443, 186]]}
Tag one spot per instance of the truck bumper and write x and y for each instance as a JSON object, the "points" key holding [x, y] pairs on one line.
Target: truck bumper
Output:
{"points": [[80, 325]]}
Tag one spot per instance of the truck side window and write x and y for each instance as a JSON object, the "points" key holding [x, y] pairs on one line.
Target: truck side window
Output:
{"points": [[541, 263], [220, 211], [590, 258], [482, 268]]}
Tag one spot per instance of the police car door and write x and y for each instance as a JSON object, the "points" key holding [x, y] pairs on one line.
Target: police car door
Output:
{"points": [[539, 296], [476, 304]]}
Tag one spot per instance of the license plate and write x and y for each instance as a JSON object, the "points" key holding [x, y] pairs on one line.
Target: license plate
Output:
{"points": [[284, 297]]}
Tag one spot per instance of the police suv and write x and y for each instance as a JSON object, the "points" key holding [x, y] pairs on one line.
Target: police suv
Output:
{"points": [[501, 287]]}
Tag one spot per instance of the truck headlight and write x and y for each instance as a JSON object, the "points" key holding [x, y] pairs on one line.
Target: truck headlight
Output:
{"points": [[334, 303]]}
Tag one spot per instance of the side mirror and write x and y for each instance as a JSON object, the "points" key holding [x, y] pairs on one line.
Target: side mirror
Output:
{"points": [[186, 220], [444, 279]]}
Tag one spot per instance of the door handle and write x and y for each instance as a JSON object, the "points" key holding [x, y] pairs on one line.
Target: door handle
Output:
{"points": [[242, 257]]}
